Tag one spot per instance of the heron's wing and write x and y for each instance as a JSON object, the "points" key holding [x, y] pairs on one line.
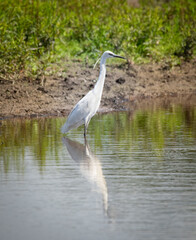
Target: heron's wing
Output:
{"points": [[77, 116]]}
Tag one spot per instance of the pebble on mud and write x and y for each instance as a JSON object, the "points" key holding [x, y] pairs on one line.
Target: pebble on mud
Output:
{"points": [[120, 80]]}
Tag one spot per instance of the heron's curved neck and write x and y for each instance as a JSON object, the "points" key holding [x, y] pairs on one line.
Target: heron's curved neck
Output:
{"points": [[99, 85]]}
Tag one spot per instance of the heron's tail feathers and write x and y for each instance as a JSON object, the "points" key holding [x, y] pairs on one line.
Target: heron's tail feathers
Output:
{"points": [[70, 124], [64, 128]]}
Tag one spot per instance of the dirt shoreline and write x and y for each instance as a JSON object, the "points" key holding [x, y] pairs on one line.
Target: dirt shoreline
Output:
{"points": [[125, 86]]}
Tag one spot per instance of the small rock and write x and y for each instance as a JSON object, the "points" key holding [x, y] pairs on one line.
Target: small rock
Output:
{"points": [[42, 89], [120, 80], [90, 86]]}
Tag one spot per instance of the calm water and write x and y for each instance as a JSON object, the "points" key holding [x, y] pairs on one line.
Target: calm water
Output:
{"points": [[135, 178]]}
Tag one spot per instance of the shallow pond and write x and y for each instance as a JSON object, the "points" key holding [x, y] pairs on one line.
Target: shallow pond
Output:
{"points": [[135, 178]]}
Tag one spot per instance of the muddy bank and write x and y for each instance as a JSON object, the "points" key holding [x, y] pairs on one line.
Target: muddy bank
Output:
{"points": [[125, 86]]}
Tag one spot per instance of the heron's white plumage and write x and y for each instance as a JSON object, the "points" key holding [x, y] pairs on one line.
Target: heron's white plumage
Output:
{"points": [[81, 112], [86, 108]]}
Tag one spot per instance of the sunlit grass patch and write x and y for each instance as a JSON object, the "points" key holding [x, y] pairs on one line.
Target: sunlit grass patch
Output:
{"points": [[34, 34]]}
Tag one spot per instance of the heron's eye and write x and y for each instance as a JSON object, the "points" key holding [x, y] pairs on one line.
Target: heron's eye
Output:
{"points": [[110, 54]]}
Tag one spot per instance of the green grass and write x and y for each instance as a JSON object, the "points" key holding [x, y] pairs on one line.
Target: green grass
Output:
{"points": [[34, 34]]}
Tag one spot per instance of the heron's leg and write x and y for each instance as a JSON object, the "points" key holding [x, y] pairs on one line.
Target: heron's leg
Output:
{"points": [[85, 127], [85, 140], [85, 131]]}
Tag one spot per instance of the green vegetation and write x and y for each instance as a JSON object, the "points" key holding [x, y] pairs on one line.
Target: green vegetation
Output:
{"points": [[35, 33]]}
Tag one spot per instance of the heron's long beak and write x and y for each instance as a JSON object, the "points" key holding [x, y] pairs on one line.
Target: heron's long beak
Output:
{"points": [[117, 56]]}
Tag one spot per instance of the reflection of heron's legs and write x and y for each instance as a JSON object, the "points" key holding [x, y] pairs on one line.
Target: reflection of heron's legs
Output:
{"points": [[85, 140]]}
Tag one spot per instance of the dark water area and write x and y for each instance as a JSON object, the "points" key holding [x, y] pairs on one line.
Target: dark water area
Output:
{"points": [[134, 178]]}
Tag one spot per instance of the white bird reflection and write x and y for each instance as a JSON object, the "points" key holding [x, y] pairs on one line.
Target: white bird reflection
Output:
{"points": [[90, 166]]}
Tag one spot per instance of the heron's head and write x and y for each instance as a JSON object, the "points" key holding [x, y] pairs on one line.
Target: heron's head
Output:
{"points": [[109, 54]]}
